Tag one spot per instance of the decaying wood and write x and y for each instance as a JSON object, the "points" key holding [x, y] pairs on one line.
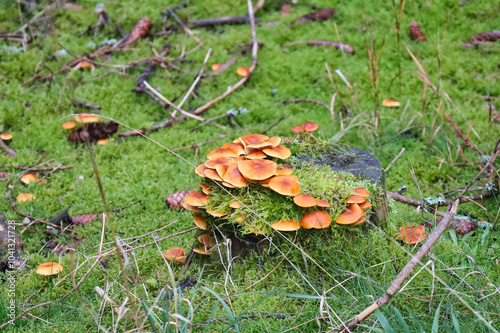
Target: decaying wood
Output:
{"points": [[406, 271], [321, 15], [6, 149], [338, 45], [416, 33]]}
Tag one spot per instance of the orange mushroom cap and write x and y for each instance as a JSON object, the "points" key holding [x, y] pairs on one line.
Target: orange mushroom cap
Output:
{"points": [[69, 125], [253, 139], [196, 199], [86, 118], [202, 251], [390, 103], [25, 197], [220, 152], [216, 213], [411, 234], [356, 199], [278, 152], [221, 160], [358, 222], [206, 240], [274, 140], [200, 170], [323, 203], [290, 225], [309, 126], [297, 129], [200, 222], [234, 177], [221, 170], [365, 205], [212, 174], [257, 169], [216, 66], [350, 216], [28, 178], [316, 220], [6, 136], [189, 207], [205, 189], [304, 200], [176, 255], [49, 268], [235, 204], [285, 185], [362, 192], [242, 71], [255, 155], [236, 148], [283, 172]]}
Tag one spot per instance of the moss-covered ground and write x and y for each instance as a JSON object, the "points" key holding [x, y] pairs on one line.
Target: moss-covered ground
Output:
{"points": [[312, 285]]}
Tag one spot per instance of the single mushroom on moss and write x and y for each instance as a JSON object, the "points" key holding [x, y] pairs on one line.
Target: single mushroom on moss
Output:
{"points": [[280, 152], [28, 178], [69, 125], [49, 268], [309, 126], [316, 220], [86, 118], [175, 255], [243, 71], [390, 103], [25, 197], [285, 185], [5, 136]]}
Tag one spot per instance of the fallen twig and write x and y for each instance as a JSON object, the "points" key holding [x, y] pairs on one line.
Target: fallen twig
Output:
{"points": [[23, 313], [466, 139], [45, 169], [7, 150], [406, 271]]}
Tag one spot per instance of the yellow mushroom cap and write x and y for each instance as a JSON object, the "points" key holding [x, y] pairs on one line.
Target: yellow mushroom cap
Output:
{"points": [[316, 220], [28, 178], [25, 197], [6, 136], [390, 103], [196, 199], [85, 118], [49, 268], [69, 125], [242, 71], [304, 200], [290, 225], [285, 185], [176, 255], [200, 222]]}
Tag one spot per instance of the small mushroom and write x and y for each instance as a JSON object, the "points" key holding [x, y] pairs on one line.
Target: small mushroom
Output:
{"points": [[309, 126], [362, 192], [6, 136], [356, 199], [285, 185], [412, 234], [350, 216], [49, 268], [84, 64], [200, 170], [278, 152], [176, 255], [365, 205], [202, 251], [196, 199], [243, 71], [212, 174], [297, 129], [205, 189], [358, 222], [25, 197], [216, 66], [257, 169], [189, 207], [304, 200], [253, 139], [200, 222], [221, 170], [220, 152], [256, 154], [235, 204], [236, 148], [390, 103], [234, 177], [323, 203], [283, 172], [290, 225], [216, 213], [206, 240], [28, 178], [316, 220], [69, 125], [86, 118]]}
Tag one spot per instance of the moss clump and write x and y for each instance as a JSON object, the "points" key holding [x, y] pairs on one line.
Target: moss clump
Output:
{"points": [[308, 145], [262, 206]]}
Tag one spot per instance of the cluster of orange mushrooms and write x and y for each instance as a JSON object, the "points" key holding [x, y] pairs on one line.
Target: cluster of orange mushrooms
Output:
{"points": [[250, 159]]}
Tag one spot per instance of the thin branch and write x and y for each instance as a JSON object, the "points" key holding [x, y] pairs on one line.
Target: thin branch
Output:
{"points": [[23, 313], [303, 100]]}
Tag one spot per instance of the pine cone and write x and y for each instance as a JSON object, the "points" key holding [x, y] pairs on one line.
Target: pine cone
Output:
{"points": [[461, 227], [85, 218], [416, 33], [176, 199], [489, 36], [93, 132], [140, 30]]}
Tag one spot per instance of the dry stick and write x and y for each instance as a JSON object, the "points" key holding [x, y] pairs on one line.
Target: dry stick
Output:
{"points": [[160, 96], [302, 100], [488, 163], [9, 151], [395, 159], [186, 29], [465, 139], [45, 169], [23, 313], [417, 203], [406, 271]]}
